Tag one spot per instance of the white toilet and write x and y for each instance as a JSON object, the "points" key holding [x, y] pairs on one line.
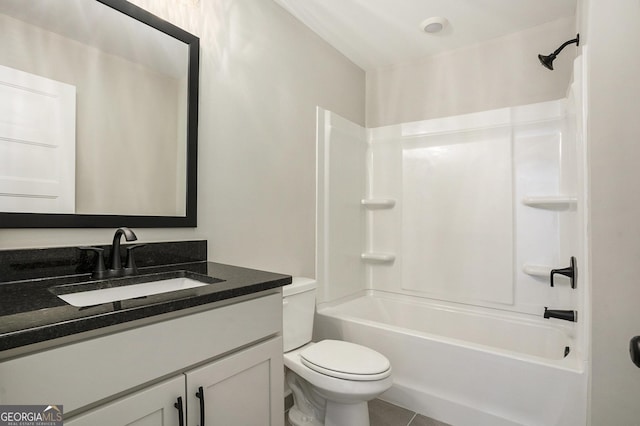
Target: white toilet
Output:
{"points": [[331, 380]]}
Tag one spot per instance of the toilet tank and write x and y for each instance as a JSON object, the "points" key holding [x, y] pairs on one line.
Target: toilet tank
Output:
{"points": [[298, 308]]}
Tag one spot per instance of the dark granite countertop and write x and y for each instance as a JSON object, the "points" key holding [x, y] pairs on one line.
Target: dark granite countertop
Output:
{"points": [[30, 311]]}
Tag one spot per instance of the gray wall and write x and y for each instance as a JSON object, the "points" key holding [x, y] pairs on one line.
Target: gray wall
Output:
{"points": [[262, 75], [264, 80], [500, 73]]}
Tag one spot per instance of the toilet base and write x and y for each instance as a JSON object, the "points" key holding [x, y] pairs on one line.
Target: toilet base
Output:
{"points": [[347, 414], [298, 418], [310, 408], [336, 415]]}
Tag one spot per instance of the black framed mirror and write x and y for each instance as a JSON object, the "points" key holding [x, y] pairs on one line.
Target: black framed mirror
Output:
{"points": [[102, 104]]}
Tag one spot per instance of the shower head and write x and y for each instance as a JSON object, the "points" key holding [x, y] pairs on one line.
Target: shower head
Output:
{"points": [[547, 61]]}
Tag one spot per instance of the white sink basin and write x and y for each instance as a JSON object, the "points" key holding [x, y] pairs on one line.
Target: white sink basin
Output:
{"points": [[114, 294]]}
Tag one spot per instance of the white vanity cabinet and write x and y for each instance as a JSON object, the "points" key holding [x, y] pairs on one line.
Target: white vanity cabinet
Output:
{"points": [[152, 406], [134, 377], [238, 389], [235, 390]]}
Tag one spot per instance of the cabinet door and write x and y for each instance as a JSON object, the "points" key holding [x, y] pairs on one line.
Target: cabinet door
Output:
{"points": [[152, 406], [245, 388]]}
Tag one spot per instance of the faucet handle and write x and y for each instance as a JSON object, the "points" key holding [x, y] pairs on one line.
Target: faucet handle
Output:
{"points": [[99, 270], [130, 265], [571, 272]]}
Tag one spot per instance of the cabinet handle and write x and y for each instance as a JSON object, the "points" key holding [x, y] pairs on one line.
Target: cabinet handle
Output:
{"points": [[200, 395], [180, 409]]}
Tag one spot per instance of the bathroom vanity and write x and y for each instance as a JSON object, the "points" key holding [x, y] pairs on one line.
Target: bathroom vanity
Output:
{"points": [[182, 357]]}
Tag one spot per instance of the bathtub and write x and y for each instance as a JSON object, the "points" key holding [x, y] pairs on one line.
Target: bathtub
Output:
{"points": [[465, 366]]}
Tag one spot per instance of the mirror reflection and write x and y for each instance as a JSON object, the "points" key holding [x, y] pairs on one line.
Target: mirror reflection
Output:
{"points": [[93, 112]]}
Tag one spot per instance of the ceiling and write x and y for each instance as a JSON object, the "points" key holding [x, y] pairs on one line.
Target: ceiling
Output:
{"points": [[379, 33]]}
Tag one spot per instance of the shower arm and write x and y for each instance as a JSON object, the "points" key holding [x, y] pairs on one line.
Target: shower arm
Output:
{"points": [[547, 60], [565, 44]]}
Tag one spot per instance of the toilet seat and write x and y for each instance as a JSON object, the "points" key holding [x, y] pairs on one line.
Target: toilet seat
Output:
{"points": [[345, 360]]}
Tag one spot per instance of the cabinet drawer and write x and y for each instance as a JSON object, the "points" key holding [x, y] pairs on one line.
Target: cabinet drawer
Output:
{"points": [[86, 372]]}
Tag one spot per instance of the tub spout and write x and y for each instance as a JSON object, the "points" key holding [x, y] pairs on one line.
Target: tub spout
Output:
{"points": [[561, 314]]}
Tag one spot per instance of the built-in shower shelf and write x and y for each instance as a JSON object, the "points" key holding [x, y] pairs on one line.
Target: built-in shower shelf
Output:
{"points": [[378, 203], [378, 257], [554, 202], [536, 270]]}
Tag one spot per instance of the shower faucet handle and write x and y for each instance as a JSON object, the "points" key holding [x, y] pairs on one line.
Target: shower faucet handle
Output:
{"points": [[571, 272]]}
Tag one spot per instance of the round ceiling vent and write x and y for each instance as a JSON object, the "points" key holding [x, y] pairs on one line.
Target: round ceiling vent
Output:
{"points": [[434, 24]]}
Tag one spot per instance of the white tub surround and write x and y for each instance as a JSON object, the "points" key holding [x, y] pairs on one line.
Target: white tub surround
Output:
{"points": [[481, 201], [445, 232]]}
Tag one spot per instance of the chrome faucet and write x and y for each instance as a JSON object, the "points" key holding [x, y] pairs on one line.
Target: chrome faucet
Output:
{"points": [[115, 260]]}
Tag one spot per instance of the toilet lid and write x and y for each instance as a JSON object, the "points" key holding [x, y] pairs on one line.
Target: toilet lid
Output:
{"points": [[346, 360]]}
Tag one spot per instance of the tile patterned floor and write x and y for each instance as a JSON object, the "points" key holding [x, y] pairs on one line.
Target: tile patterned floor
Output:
{"points": [[382, 413]]}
